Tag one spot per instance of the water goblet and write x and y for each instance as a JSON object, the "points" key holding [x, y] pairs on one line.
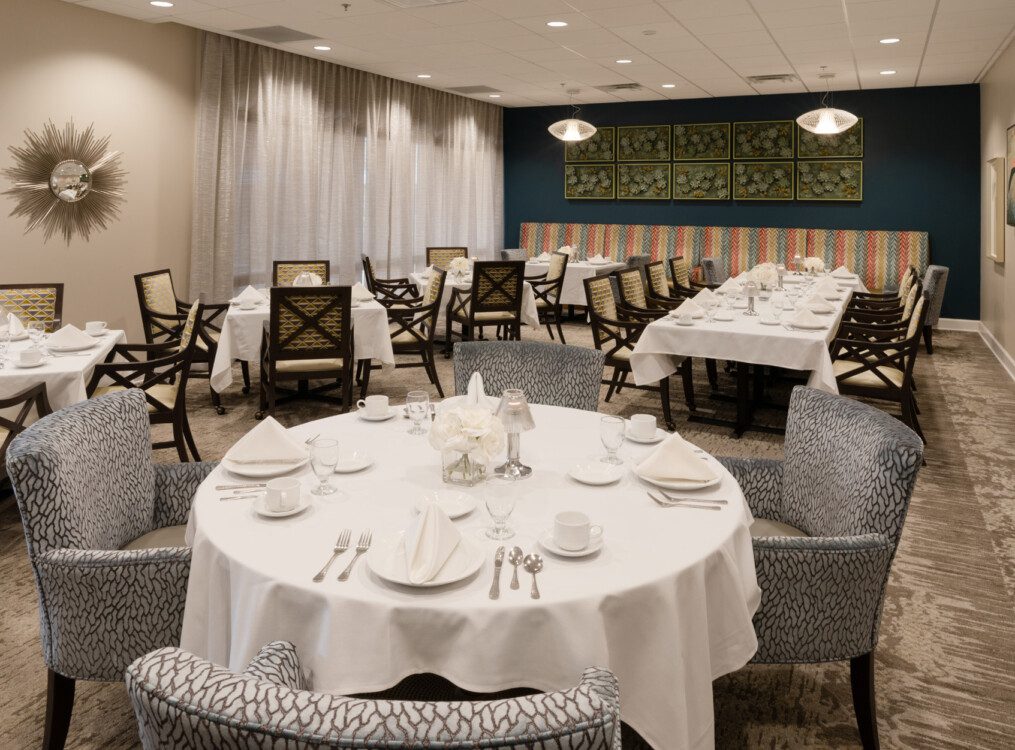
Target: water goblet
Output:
{"points": [[500, 502], [323, 460], [418, 405], [611, 432], [35, 329]]}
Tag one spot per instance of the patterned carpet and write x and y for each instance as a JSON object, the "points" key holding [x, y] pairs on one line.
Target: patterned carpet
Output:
{"points": [[945, 663]]}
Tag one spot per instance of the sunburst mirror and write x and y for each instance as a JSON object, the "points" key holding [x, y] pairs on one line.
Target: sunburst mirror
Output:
{"points": [[66, 181]]}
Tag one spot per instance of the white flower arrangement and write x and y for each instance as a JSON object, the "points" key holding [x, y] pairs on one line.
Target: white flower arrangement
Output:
{"points": [[765, 275], [459, 266], [566, 249], [471, 430], [814, 265]]}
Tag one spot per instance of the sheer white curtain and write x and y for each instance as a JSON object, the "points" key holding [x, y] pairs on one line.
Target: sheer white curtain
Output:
{"points": [[298, 158]]}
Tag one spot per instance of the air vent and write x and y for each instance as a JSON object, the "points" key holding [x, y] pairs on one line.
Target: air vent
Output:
{"points": [[276, 34], [620, 87], [474, 90], [419, 3], [774, 78]]}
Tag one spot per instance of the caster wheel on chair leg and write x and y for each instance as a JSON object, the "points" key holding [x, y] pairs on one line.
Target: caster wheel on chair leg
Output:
{"points": [[220, 410], [258, 415]]}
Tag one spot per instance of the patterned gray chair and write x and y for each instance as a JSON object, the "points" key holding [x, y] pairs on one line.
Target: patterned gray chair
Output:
{"points": [[828, 523], [105, 541], [549, 374], [934, 281], [183, 701], [712, 271], [514, 254]]}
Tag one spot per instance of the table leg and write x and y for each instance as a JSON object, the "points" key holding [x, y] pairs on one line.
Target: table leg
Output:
{"points": [[744, 407]]}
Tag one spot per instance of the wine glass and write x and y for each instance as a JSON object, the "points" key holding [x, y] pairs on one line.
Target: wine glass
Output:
{"points": [[36, 329], [323, 460], [500, 502], [611, 432], [418, 405], [708, 305]]}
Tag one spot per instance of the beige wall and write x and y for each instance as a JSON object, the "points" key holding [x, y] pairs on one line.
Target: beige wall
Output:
{"points": [[997, 281], [136, 82]]}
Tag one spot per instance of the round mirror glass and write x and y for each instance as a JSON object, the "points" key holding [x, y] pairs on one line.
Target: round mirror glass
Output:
{"points": [[70, 181]]}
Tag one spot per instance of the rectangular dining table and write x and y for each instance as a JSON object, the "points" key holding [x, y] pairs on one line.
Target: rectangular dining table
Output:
{"points": [[573, 290], [530, 314]]}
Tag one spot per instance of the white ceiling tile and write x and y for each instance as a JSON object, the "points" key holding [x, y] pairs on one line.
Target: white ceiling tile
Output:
{"points": [[285, 14], [755, 66], [963, 6], [694, 9], [552, 9], [453, 15], [217, 18], [491, 31], [527, 41], [724, 25], [141, 13], [575, 22], [985, 19], [547, 56], [629, 14], [803, 17], [765, 6]]}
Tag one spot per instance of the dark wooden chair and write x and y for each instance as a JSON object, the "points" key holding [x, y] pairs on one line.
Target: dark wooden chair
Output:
{"points": [[34, 303], [442, 256], [658, 289], [634, 297], [25, 402], [892, 296], [309, 337], [393, 292], [284, 272], [495, 299], [161, 371], [547, 288], [413, 328]]}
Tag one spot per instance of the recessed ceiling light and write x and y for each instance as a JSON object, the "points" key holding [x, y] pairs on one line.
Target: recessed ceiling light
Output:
{"points": [[161, 3], [556, 24], [669, 85], [623, 62], [423, 75], [322, 48], [495, 96], [890, 40], [887, 72]]}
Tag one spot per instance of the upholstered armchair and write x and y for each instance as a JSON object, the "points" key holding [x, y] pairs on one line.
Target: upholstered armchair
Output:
{"points": [[514, 254], [180, 700], [828, 522], [557, 375], [934, 281], [712, 271], [104, 527]]}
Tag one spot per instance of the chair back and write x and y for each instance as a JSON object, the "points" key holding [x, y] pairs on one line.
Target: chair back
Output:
{"points": [[284, 272], [368, 272], [680, 272], [551, 374], [442, 256], [420, 322], [156, 297], [602, 309], [558, 266], [497, 286], [712, 271], [934, 281], [310, 322], [914, 293], [33, 303], [631, 287], [907, 282], [514, 254], [656, 272]]}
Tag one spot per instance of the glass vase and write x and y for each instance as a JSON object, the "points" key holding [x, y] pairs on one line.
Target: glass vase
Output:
{"points": [[462, 469]]}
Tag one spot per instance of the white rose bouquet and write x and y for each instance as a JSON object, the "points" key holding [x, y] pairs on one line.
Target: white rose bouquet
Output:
{"points": [[566, 249], [765, 275], [814, 265], [459, 266], [471, 430]]}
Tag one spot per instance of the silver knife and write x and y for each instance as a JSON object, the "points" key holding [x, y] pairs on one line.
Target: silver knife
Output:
{"points": [[498, 562], [677, 504]]}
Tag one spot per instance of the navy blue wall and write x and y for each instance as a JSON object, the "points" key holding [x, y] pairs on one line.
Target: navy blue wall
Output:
{"points": [[921, 172]]}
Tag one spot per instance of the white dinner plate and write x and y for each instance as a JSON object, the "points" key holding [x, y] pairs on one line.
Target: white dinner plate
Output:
{"points": [[819, 312], [660, 435], [261, 508], [76, 348], [833, 297], [261, 471], [813, 327], [28, 366], [386, 559], [775, 322], [547, 543], [455, 504], [20, 337], [353, 462], [362, 414], [723, 317], [681, 485], [596, 473]]}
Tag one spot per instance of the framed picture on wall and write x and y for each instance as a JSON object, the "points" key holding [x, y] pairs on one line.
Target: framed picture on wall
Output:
{"points": [[643, 182], [590, 181], [643, 143], [764, 139], [829, 181], [600, 147], [1010, 179], [701, 181], [847, 144], [763, 181], [701, 141], [997, 169]]}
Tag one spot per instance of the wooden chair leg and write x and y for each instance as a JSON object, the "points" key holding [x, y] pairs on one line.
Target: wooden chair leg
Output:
{"points": [[861, 677], [928, 338], [447, 337], [190, 439], [613, 384], [216, 400], [560, 331], [180, 441], [549, 328], [713, 374], [687, 379], [431, 369], [364, 364], [664, 394], [622, 382], [59, 704], [245, 369]]}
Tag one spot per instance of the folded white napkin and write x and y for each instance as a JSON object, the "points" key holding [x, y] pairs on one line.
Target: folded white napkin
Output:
{"points": [[307, 279], [804, 318], [705, 295], [429, 542], [675, 461], [729, 286], [843, 273], [598, 260], [69, 336], [248, 295], [267, 443], [816, 304], [360, 293], [14, 325], [689, 305], [826, 286], [476, 395]]}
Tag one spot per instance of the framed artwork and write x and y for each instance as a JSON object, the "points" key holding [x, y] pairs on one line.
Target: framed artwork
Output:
{"points": [[829, 181], [643, 143], [701, 141], [848, 144], [1010, 179], [600, 147], [765, 139], [701, 181], [590, 181], [645, 182], [998, 198], [763, 181]]}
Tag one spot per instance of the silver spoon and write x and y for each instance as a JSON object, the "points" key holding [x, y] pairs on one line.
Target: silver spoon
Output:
{"points": [[515, 557], [533, 564]]}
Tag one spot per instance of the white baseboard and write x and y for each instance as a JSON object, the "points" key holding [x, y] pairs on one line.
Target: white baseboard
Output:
{"points": [[1006, 360], [958, 324]]}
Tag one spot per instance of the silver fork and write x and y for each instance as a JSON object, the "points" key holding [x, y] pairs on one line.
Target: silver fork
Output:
{"points": [[364, 544], [341, 545]]}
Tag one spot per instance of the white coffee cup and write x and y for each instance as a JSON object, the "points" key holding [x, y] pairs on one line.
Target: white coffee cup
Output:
{"points": [[374, 406], [30, 356], [573, 531], [247, 304], [95, 326], [643, 426], [283, 493]]}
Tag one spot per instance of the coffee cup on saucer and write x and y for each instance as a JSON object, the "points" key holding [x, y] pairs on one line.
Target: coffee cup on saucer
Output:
{"points": [[95, 327], [29, 357], [282, 494], [247, 304], [642, 426], [685, 318], [374, 406], [573, 531]]}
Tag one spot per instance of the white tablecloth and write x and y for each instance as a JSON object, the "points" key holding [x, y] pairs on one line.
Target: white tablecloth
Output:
{"points": [[241, 338], [573, 291], [65, 376], [744, 339], [530, 316], [666, 604]]}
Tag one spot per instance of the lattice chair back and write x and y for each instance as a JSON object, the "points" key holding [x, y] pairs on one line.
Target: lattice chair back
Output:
{"points": [[916, 315], [434, 287], [907, 282], [160, 307], [442, 256], [631, 286], [497, 286], [680, 272], [33, 303], [417, 325], [558, 266], [310, 323], [602, 305], [284, 272], [914, 293], [657, 278], [369, 273]]}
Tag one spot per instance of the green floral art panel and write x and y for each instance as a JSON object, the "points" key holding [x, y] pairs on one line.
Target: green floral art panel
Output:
{"points": [[643, 181], [763, 181], [701, 141], [830, 181], [814, 146], [770, 139], [600, 147], [643, 143], [701, 182], [589, 181]]}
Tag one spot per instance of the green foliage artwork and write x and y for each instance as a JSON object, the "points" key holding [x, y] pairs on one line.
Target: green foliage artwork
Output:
{"points": [[643, 143], [763, 181], [701, 181], [643, 181], [589, 181], [769, 139], [830, 181], [600, 147], [813, 146], [701, 141]]}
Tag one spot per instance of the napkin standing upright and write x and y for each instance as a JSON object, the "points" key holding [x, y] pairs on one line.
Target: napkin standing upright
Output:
{"points": [[267, 443], [674, 461], [429, 542]]}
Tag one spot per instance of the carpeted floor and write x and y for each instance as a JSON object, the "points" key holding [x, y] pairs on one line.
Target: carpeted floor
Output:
{"points": [[946, 659]]}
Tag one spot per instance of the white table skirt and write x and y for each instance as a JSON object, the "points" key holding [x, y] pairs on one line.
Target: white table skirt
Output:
{"points": [[666, 604], [573, 291], [241, 338], [530, 315], [664, 343], [65, 377]]}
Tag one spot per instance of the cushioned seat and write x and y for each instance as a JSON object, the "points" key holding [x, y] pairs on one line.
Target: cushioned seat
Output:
{"points": [[164, 393], [308, 365], [866, 378], [488, 317], [765, 527], [623, 354], [4, 432], [168, 536], [404, 337], [201, 343], [542, 304]]}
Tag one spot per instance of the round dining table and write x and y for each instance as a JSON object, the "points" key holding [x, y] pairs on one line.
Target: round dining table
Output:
{"points": [[666, 603]]}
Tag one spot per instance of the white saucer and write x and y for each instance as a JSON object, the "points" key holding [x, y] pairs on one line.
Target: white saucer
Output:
{"points": [[386, 559], [261, 471], [23, 366], [362, 414], [455, 504], [547, 543], [78, 348], [100, 334], [261, 508], [822, 312], [775, 322], [722, 318], [596, 473], [660, 435], [807, 328], [681, 323], [684, 485], [351, 463], [833, 297]]}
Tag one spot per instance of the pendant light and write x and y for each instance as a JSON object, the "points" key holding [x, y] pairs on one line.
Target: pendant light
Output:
{"points": [[572, 129], [827, 120]]}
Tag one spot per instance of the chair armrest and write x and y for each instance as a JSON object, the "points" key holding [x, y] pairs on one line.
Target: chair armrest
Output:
{"points": [[760, 480], [175, 487], [278, 662]]}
